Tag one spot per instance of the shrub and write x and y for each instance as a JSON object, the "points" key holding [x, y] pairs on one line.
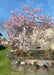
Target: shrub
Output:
{"points": [[2, 47]]}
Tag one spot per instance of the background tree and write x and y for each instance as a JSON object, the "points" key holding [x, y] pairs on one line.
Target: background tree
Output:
{"points": [[2, 28]]}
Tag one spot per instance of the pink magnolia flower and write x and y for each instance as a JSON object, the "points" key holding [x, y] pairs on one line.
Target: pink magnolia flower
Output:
{"points": [[35, 62], [30, 63], [37, 16], [26, 63], [16, 10], [32, 57], [12, 13]]}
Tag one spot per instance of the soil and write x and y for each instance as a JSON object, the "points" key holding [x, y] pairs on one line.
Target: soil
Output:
{"points": [[30, 68]]}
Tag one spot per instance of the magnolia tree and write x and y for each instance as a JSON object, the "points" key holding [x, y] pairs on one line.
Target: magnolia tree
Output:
{"points": [[28, 20]]}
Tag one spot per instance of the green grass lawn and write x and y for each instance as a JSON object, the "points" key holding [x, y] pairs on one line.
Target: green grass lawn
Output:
{"points": [[5, 64]]}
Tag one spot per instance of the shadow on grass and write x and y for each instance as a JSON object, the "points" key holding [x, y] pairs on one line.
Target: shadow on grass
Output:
{"points": [[2, 47]]}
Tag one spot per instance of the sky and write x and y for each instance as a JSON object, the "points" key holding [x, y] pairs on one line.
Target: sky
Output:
{"points": [[6, 6]]}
